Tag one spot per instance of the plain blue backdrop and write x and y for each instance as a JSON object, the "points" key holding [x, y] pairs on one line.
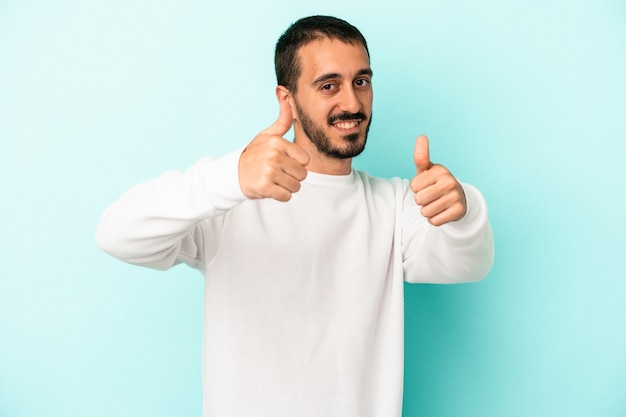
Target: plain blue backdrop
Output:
{"points": [[524, 99]]}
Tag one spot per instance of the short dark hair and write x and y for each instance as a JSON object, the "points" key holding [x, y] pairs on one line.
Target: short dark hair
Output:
{"points": [[286, 61]]}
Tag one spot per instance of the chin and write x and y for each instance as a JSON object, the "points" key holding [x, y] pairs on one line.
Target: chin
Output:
{"points": [[352, 145]]}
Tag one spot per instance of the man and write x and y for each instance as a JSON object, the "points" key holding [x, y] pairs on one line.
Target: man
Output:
{"points": [[305, 258]]}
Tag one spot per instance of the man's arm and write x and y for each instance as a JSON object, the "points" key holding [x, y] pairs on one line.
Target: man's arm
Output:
{"points": [[447, 237], [156, 223]]}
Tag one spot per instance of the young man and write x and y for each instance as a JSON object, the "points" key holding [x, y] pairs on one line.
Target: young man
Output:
{"points": [[305, 258]]}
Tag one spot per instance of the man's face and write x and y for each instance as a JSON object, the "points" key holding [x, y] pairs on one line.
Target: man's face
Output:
{"points": [[333, 102]]}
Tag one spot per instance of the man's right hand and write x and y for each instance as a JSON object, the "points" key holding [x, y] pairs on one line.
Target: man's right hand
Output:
{"points": [[271, 166]]}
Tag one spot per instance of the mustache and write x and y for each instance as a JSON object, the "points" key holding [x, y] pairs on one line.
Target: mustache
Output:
{"points": [[346, 116]]}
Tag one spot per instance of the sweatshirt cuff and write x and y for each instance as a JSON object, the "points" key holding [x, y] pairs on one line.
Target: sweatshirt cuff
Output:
{"points": [[221, 180]]}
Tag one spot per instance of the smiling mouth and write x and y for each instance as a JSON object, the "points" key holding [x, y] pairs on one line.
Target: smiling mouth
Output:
{"points": [[347, 124]]}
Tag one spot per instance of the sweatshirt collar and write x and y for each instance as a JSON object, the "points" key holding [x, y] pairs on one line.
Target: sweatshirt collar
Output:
{"points": [[316, 178]]}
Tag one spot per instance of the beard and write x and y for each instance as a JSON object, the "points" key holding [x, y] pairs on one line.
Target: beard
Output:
{"points": [[353, 144]]}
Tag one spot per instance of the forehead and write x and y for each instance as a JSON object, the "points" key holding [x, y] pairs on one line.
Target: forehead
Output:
{"points": [[326, 56]]}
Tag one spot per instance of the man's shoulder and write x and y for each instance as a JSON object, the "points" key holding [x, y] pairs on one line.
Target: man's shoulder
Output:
{"points": [[394, 185], [367, 178]]}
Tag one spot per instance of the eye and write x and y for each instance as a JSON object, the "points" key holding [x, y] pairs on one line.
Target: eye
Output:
{"points": [[362, 82], [327, 87]]}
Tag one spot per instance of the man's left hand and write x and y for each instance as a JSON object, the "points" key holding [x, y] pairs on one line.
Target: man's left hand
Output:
{"points": [[436, 190]]}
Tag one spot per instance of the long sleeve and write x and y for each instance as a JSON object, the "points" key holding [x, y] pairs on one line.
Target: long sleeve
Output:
{"points": [[460, 251], [157, 223]]}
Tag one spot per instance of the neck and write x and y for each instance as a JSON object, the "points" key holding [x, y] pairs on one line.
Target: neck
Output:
{"points": [[324, 164]]}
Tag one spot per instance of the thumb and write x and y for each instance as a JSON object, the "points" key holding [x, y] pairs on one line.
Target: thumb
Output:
{"points": [[421, 155], [284, 121]]}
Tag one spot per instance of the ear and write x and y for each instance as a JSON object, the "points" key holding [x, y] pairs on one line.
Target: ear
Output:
{"points": [[283, 93]]}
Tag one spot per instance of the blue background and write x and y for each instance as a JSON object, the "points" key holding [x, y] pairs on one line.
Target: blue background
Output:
{"points": [[524, 99]]}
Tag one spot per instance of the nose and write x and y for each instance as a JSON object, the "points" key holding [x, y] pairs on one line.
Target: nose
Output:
{"points": [[349, 101]]}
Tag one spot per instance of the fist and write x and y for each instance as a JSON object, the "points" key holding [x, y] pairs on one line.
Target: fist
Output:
{"points": [[271, 166], [439, 194]]}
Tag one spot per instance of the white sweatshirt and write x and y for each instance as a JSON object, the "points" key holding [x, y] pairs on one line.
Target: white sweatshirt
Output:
{"points": [[304, 299]]}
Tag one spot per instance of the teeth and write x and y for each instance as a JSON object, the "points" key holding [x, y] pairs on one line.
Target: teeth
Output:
{"points": [[347, 125]]}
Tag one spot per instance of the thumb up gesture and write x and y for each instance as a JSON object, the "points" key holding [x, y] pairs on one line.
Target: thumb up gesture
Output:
{"points": [[271, 166], [438, 193]]}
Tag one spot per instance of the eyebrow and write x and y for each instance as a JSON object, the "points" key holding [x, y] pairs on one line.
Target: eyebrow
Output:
{"points": [[333, 75]]}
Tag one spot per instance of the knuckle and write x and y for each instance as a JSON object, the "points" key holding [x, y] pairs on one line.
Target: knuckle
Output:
{"points": [[273, 156], [295, 187], [265, 185], [422, 198], [460, 210], [436, 222], [283, 196], [275, 142], [301, 174]]}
